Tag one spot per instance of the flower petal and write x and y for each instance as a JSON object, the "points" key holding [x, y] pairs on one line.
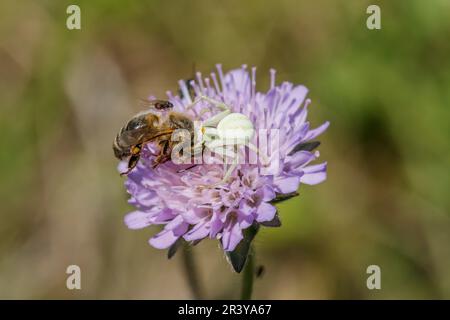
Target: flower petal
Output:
{"points": [[231, 236], [317, 131], [301, 158], [245, 221], [287, 184], [246, 207], [314, 174], [265, 212], [139, 219], [268, 193], [199, 231], [163, 240], [216, 225]]}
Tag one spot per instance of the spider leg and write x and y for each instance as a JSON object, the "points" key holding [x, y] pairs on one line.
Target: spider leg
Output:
{"points": [[227, 174], [214, 120], [210, 134], [197, 100], [219, 104], [220, 142], [222, 106], [255, 149], [220, 149]]}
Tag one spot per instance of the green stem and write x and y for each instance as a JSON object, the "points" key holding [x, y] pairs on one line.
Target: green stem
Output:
{"points": [[191, 272], [248, 275]]}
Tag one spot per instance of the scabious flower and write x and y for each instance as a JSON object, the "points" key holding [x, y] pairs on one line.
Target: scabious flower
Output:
{"points": [[190, 204]]}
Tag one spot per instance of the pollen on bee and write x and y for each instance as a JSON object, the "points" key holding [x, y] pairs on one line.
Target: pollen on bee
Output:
{"points": [[135, 150]]}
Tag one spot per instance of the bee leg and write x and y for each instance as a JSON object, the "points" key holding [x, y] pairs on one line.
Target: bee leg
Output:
{"points": [[160, 159], [197, 149], [134, 159], [165, 147], [188, 168], [163, 155]]}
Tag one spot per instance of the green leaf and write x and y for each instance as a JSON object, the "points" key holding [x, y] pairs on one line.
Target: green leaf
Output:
{"points": [[275, 222], [283, 197], [174, 248], [305, 146], [238, 257]]}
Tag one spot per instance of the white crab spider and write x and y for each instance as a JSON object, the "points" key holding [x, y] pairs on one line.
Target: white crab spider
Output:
{"points": [[223, 130]]}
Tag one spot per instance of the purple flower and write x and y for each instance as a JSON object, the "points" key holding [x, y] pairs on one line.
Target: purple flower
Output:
{"points": [[192, 203]]}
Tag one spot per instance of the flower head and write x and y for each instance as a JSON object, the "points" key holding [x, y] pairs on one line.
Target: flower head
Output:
{"points": [[195, 203]]}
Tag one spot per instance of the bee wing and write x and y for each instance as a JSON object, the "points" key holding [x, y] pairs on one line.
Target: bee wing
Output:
{"points": [[143, 135], [144, 103], [132, 137]]}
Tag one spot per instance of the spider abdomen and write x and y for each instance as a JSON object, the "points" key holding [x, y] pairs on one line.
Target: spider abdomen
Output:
{"points": [[236, 126]]}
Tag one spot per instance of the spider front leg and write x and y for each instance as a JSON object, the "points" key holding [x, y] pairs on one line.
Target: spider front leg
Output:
{"points": [[263, 157], [214, 120], [164, 153], [219, 104]]}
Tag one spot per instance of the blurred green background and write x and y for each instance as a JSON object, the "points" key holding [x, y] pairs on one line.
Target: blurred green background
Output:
{"points": [[64, 94]]}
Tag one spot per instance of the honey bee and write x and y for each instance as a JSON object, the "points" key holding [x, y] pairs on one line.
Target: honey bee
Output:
{"points": [[154, 125]]}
